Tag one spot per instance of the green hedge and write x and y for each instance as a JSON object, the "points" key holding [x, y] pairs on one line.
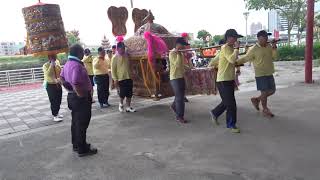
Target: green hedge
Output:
{"points": [[24, 62], [296, 53]]}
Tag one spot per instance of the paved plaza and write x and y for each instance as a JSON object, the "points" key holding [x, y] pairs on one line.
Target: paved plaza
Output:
{"points": [[151, 145]]}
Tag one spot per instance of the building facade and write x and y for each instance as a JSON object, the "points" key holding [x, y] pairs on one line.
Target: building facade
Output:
{"points": [[255, 28], [276, 22], [10, 48]]}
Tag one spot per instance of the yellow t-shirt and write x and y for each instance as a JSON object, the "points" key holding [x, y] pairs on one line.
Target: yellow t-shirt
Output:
{"points": [[177, 67], [87, 61], [226, 67], [120, 69], [100, 66], [262, 59], [51, 74]]}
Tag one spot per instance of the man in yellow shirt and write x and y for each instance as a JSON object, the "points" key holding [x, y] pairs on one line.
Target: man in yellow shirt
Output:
{"points": [[262, 56], [120, 71], [51, 71], [109, 59], [101, 68], [177, 70], [87, 61], [226, 80]]}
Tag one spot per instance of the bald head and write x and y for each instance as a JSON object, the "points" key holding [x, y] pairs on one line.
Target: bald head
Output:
{"points": [[77, 51]]}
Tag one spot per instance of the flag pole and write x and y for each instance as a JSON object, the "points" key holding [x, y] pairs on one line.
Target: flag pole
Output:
{"points": [[131, 1]]}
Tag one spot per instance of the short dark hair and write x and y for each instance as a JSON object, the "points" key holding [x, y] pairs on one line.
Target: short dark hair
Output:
{"points": [[120, 45], [87, 50], [263, 33], [100, 49], [222, 41], [114, 47], [75, 50]]}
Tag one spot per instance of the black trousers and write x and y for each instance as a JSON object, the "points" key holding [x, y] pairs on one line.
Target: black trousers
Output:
{"points": [[81, 115], [102, 82], [226, 91], [179, 87], [55, 96]]}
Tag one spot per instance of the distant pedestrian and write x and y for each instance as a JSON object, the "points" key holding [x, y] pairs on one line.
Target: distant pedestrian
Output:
{"points": [[114, 49], [101, 68], [51, 71], [75, 79], [121, 75]]}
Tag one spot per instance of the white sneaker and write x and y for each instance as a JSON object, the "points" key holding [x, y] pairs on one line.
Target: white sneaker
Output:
{"points": [[130, 109], [57, 119], [60, 115], [121, 109]]}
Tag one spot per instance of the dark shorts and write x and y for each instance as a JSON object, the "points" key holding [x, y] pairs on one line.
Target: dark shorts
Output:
{"points": [[265, 83], [125, 88], [91, 79]]}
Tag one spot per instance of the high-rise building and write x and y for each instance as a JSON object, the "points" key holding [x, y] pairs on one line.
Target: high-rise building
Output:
{"points": [[317, 7], [255, 28], [278, 22]]}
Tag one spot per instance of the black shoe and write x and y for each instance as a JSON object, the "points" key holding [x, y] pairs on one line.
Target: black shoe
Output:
{"points": [[214, 118], [75, 148], [103, 106], [89, 152], [185, 99], [107, 105]]}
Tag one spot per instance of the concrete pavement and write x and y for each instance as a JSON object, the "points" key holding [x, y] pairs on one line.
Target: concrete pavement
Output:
{"points": [[150, 145]]}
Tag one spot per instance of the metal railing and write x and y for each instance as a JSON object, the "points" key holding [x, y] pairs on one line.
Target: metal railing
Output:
{"points": [[20, 76]]}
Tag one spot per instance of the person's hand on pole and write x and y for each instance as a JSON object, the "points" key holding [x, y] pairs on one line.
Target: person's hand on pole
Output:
{"points": [[274, 44]]}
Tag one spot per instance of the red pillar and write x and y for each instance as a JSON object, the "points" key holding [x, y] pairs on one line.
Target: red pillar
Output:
{"points": [[309, 42]]}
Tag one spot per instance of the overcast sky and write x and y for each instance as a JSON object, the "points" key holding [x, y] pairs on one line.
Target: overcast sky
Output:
{"points": [[90, 16]]}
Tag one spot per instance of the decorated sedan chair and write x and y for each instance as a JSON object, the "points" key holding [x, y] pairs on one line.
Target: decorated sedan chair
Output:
{"points": [[148, 55]]}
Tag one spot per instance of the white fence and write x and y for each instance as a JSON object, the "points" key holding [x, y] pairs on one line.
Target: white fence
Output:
{"points": [[20, 76]]}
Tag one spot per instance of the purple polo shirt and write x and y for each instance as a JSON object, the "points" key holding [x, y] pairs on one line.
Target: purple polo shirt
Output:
{"points": [[74, 73]]}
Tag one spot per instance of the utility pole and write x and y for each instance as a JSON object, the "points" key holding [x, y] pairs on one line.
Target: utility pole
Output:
{"points": [[131, 1], [246, 15], [309, 42]]}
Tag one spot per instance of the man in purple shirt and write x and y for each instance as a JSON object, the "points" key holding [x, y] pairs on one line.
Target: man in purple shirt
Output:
{"points": [[75, 79]]}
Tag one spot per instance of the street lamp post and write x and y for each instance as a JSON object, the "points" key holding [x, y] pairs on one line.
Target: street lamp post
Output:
{"points": [[246, 15]]}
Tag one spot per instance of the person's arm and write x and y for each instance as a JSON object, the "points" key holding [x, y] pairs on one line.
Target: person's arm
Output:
{"points": [[108, 63], [114, 73], [231, 58], [76, 81], [214, 61], [47, 69], [247, 57], [190, 63]]}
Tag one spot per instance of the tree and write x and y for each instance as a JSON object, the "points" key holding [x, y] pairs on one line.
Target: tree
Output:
{"points": [[317, 26], [301, 22], [290, 9], [203, 34], [73, 37], [217, 38]]}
